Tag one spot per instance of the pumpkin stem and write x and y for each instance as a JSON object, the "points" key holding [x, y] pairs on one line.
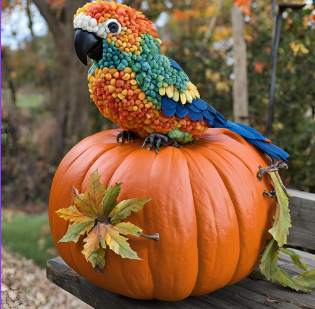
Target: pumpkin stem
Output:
{"points": [[271, 168], [154, 237]]}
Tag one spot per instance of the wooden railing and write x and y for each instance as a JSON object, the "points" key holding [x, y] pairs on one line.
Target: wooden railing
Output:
{"points": [[302, 232]]}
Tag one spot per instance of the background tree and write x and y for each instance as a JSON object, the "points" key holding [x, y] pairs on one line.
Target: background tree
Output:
{"points": [[69, 96], [53, 110], [240, 84]]}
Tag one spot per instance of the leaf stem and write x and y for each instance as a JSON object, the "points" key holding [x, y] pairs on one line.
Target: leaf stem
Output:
{"points": [[75, 190], [154, 237]]}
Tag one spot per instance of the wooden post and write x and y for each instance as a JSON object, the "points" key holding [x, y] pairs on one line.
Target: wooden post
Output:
{"points": [[275, 46], [240, 84]]}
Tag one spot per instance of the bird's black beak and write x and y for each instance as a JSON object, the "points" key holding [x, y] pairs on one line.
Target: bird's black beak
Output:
{"points": [[87, 44]]}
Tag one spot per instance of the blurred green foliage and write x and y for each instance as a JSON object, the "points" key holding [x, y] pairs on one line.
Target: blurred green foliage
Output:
{"points": [[28, 235], [294, 112]]}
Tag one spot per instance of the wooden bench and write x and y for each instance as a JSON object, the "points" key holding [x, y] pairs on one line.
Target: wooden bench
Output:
{"points": [[248, 293]]}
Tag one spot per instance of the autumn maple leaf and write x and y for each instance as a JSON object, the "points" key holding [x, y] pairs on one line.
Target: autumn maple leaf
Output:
{"points": [[282, 222], [244, 6], [96, 213]]}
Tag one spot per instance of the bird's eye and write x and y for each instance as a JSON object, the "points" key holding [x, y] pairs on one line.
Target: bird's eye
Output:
{"points": [[112, 26]]}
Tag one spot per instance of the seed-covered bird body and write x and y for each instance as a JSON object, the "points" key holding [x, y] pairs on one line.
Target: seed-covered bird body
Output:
{"points": [[128, 89], [127, 84], [141, 90]]}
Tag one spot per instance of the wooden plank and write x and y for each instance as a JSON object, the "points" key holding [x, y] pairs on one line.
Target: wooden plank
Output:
{"points": [[234, 298], [214, 301], [277, 292], [248, 293], [302, 206], [258, 298], [60, 274]]}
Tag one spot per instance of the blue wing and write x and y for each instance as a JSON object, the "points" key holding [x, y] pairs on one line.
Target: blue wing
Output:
{"points": [[199, 109], [174, 64], [196, 110]]}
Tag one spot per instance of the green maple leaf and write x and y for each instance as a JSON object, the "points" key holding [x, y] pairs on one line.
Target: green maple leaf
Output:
{"points": [[96, 214], [76, 230], [269, 263], [294, 257], [73, 215], [97, 259], [83, 203], [119, 244], [304, 282], [127, 228], [124, 209], [282, 219], [96, 192], [110, 199]]}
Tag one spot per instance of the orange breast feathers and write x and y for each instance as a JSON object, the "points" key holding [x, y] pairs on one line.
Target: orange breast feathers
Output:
{"points": [[119, 98]]}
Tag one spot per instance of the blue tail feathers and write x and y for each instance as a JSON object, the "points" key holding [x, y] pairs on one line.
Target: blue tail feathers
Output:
{"points": [[255, 138]]}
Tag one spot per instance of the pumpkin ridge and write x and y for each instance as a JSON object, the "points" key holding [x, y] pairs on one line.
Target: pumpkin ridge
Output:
{"points": [[125, 158], [236, 211], [237, 155], [244, 143], [94, 163], [253, 182], [215, 165], [186, 153], [196, 221], [148, 252]]}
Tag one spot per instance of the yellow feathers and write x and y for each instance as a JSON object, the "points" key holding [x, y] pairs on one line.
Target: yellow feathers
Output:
{"points": [[187, 96], [162, 91], [169, 91]]}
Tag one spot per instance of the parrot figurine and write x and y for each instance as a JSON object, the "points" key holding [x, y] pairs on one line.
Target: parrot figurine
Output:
{"points": [[147, 94]]}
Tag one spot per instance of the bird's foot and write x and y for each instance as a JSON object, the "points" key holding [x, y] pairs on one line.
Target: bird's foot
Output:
{"points": [[271, 168], [271, 194], [125, 135], [156, 140]]}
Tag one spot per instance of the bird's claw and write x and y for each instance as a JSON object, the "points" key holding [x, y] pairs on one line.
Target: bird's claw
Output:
{"points": [[271, 168], [271, 194], [156, 140], [123, 136]]}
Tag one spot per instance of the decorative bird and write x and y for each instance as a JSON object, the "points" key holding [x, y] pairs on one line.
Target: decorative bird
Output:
{"points": [[147, 94]]}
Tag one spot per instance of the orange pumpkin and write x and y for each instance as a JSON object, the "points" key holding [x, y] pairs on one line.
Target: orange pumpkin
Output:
{"points": [[207, 205]]}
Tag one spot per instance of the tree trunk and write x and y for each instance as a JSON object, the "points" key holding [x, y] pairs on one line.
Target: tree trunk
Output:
{"points": [[240, 84], [70, 96], [7, 73]]}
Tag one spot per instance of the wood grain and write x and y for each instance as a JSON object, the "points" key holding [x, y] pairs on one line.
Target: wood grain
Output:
{"points": [[248, 293], [302, 209]]}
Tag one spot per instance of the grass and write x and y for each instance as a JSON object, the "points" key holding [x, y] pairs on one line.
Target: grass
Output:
{"points": [[28, 235], [30, 101]]}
